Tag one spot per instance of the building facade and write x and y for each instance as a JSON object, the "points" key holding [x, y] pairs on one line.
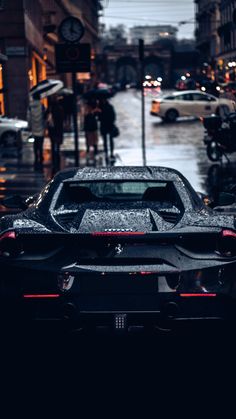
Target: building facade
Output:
{"points": [[216, 37], [227, 31], [28, 34], [207, 36]]}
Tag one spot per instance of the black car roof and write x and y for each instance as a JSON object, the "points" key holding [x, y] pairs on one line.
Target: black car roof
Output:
{"points": [[127, 173]]}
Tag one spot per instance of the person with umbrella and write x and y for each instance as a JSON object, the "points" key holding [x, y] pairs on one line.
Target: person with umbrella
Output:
{"points": [[37, 114], [36, 120], [91, 127], [107, 117]]}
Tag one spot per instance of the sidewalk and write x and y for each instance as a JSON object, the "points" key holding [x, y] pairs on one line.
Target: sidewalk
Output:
{"points": [[18, 176]]}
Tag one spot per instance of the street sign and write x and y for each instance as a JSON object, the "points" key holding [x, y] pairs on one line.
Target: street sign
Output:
{"points": [[73, 58]]}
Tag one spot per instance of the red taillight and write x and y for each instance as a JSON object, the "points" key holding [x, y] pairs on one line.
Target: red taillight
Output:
{"points": [[227, 243], [41, 295], [117, 233], [207, 294], [229, 233], [146, 273], [8, 244], [8, 235]]}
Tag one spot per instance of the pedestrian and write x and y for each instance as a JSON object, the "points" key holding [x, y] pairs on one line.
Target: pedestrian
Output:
{"points": [[67, 104], [107, 117], [91, 128], [36, 120], [55, 121]]}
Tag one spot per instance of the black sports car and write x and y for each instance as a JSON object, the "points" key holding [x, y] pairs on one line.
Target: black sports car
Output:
{"points": [[118, 247]]}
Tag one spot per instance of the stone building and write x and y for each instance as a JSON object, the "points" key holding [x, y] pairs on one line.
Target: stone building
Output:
{"points": [[207, 37], [226, 59], [28, 34]]}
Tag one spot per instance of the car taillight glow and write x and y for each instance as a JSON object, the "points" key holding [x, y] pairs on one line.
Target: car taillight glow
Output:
{"points": [[146, 273], [207, 294], [117, 233], [227, 243], [8, 243], [41, 295], [228, 233], [8, 235]]}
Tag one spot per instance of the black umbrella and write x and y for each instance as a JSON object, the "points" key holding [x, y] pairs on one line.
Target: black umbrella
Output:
{"points": [[65, 92], [46, 88], [97, 93]]}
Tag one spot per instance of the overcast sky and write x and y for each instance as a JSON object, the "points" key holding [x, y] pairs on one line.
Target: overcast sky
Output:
{"points": [[150, 12]]}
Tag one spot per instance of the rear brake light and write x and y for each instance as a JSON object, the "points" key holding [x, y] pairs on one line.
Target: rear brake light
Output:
{"points": [[8, 235], [8, 244], [41, 295], [117, 233], [228, 233], [207, 294], [146, 273], [227, 243]]}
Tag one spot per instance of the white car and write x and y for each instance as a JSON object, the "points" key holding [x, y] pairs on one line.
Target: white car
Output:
{"points": [[11, 130], [190, 103]]}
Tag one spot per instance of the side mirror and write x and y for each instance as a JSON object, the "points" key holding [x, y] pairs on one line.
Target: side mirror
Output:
{"points": [[14, 202]]}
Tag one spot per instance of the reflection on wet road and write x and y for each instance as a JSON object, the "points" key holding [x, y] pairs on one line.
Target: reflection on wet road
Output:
{"points": [[178, 145]]}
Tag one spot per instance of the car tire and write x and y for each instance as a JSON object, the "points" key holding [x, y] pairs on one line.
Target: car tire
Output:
{"points": [[222, 110], [171, 115], [214, 152], [8, 139]]}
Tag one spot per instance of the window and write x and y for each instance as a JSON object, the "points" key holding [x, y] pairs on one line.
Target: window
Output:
{"points": [[188, 96], [179, 97], [75, 193], [199, 97], [169, 98]]}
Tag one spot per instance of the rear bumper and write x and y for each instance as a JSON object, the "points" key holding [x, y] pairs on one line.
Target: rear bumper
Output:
{"points": [[100, 297], [76, 313]]}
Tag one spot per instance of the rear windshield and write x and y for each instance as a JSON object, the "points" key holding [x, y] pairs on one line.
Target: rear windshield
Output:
{"points": [[114, 191]]}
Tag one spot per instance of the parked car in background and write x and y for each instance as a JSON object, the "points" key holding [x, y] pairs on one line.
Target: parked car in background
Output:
{"points": [[190, 103], [11, 133]]}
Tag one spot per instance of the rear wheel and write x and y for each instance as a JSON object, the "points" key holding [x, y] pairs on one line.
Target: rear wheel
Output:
{"points": [[171, 115], [214, 152]]}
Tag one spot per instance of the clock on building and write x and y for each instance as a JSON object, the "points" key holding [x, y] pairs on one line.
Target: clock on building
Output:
{"points": [[71, 29]]}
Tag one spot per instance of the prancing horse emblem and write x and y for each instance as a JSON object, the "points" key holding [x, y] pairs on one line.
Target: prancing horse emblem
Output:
{"points": [[118, 249]]}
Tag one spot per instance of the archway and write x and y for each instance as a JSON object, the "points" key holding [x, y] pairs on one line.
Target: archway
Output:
{"points": [[126, 71], [153, 67]]}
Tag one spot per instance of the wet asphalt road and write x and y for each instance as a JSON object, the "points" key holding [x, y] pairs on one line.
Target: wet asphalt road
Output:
{"points": [[178, 145]]}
